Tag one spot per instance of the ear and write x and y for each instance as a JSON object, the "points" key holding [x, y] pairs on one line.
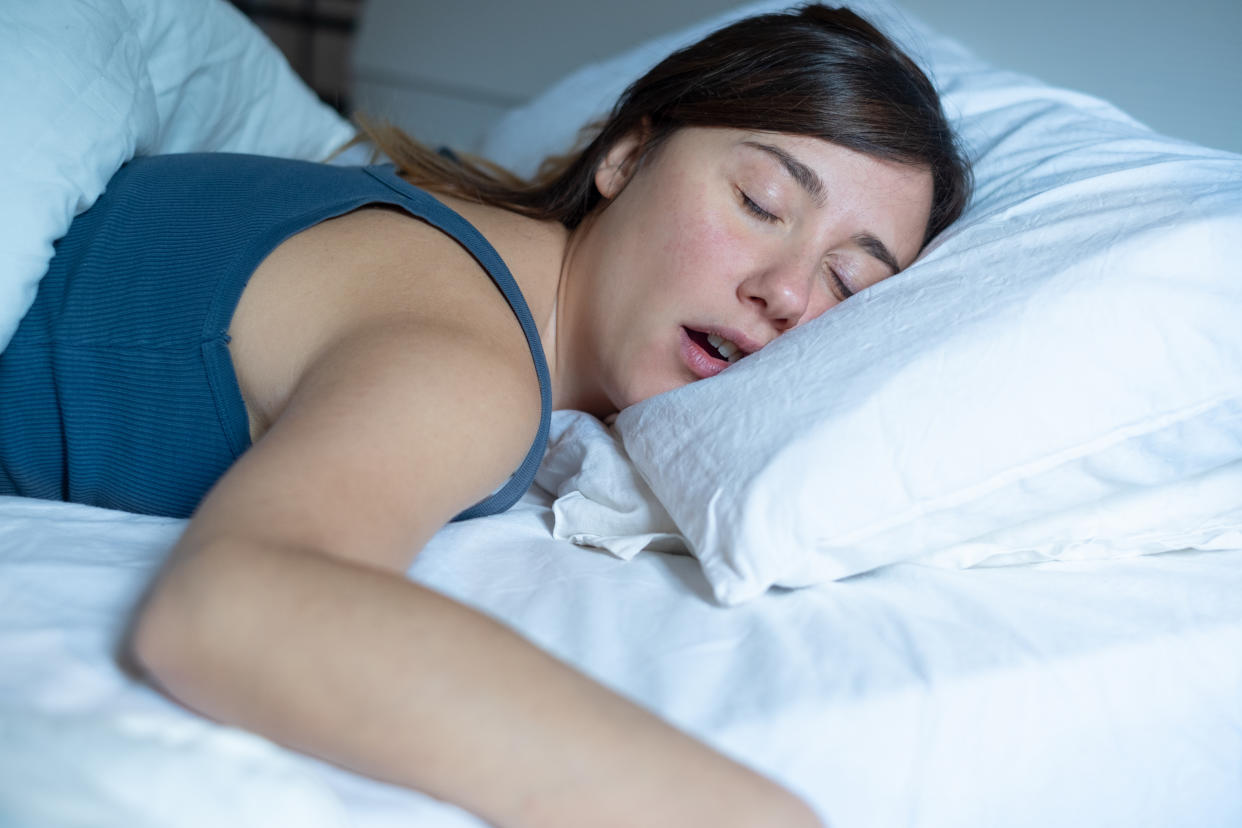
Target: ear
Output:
{"points": [[618, 165]]}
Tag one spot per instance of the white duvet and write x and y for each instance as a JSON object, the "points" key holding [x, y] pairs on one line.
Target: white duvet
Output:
{"points": [[1069, 693]]}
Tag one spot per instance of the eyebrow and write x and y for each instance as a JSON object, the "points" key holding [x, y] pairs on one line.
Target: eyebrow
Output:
{"points": [[804, 175], [876, 249], [808, 180]]}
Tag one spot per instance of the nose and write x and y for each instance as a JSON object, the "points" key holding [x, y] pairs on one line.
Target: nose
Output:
{"points": [[782, 293]]}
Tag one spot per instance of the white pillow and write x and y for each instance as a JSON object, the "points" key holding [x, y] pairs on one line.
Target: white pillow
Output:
{"points": [[1059, 375], [600, 499], [88, 84]]}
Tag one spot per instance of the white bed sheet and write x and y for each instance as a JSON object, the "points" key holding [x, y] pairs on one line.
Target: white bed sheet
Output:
{"points": [[1069, 693]]}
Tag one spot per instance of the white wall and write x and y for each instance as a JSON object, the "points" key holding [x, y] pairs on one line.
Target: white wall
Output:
{"points": [[446, 70], [1175, 66]]}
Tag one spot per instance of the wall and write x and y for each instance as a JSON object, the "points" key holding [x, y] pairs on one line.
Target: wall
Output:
{"points": [[1176, 67]]}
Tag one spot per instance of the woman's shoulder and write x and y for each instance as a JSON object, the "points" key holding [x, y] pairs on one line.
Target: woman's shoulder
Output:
{"points": [[381, 354], [531, 248], [355, 272], [391, 429]]}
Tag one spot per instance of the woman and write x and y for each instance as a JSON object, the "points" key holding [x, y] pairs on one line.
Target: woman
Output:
{"points": [[347, 377]]}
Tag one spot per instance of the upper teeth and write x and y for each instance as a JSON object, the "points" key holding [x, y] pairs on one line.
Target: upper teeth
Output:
{"points": [[727, 349]]}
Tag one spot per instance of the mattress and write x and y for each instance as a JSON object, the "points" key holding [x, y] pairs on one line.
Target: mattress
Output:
{"points": [[1103, 693]]}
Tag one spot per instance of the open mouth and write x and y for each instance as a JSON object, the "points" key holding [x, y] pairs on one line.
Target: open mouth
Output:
{"points": [[707, 354], [716, 347]]}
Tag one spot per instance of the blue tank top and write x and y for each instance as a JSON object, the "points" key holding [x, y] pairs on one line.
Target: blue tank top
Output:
{"points": [[118, 389]]}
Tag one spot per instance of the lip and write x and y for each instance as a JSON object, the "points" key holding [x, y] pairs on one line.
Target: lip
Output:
{"points": [[700, 363], [704, 364], [742, 341]]}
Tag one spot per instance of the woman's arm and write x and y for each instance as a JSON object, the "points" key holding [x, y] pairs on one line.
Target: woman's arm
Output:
{"points": [[382, 676], [284, 609]]}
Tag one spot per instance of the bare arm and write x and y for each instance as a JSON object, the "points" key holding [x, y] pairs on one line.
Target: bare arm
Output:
{"points": [[392, 680], [284, 609]]}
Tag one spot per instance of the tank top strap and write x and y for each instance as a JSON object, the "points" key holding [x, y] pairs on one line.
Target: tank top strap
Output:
{"points": [[430, 209]]}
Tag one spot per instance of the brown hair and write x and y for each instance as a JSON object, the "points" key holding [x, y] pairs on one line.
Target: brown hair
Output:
{"points": [[814, 71]]}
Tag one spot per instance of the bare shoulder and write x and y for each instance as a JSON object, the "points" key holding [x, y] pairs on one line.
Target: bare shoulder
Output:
{"points": [[399, 411], [392, 430], [341, 274]]}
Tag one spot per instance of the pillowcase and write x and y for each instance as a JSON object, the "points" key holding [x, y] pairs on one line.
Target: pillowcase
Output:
{"points": [[1059, 375], [600, 499], [88, 84]]}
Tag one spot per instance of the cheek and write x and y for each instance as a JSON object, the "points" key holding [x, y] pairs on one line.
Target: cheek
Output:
{"points": [[700, 246], [693, 286], [685, 253]]}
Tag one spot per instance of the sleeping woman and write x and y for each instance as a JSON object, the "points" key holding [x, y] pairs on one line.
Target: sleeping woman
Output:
{"points": [[320, 366]]}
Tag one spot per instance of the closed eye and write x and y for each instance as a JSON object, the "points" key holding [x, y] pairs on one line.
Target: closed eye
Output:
{"points": [[838, 283], [755, 209]]}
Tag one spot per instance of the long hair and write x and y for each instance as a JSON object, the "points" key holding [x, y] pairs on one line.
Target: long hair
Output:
{"points": [[815, 71]]}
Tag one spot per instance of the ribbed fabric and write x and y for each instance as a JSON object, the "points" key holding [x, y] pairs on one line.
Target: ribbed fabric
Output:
{"points": [[118, 389]]}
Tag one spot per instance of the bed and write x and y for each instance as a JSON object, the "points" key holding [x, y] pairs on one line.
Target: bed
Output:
{"points": [[1101, 694], [1021, 607]]}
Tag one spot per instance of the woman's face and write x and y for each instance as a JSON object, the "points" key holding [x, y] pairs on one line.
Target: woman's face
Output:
{"points": [[733, 235]]}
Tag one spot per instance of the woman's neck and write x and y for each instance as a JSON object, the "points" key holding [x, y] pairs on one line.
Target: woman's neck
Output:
{"points": [[571, 356]]}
